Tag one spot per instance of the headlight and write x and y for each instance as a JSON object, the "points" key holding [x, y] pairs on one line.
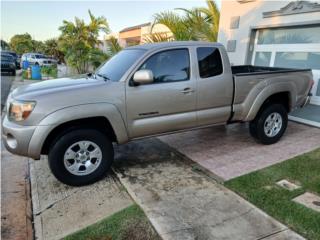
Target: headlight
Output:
{"points": [[19, 111]]}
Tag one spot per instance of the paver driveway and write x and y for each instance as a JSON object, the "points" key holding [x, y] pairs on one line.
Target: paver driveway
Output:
{"points": [[230, 151]]}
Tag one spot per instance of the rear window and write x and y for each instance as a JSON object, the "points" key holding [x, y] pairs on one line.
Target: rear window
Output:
{"points": [[209, 62]]}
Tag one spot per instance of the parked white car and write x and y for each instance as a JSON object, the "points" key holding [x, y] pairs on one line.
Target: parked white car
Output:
{"points": [[37, 59]]}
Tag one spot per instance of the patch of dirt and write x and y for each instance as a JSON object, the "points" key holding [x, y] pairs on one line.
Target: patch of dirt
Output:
{"points": [[100, 238], [139, 229]]}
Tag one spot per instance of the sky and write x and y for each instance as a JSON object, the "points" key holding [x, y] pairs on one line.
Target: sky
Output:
{"points": [[42, 18]]}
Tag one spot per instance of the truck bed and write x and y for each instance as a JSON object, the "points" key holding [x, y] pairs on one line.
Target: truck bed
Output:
{"points": [[242, 70]]}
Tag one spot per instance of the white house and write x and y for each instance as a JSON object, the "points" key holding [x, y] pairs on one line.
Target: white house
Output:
{"points": [[273, 33]]}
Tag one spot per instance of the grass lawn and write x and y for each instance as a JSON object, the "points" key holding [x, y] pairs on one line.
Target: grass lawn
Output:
{"points": [[127, 224], [260, 189]]}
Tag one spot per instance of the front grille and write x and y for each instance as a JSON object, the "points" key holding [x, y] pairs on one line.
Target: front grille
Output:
{"points": [[5, 65]]}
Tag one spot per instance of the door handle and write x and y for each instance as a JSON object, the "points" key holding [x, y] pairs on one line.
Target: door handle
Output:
{"points": [[187, 90]]}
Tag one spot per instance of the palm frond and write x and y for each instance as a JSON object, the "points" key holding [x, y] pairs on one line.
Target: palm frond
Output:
{"points": [[113, 46], [157, 37]]}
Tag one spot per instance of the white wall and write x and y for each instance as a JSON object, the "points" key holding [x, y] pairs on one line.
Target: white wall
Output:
{"points": [[251, 15]]}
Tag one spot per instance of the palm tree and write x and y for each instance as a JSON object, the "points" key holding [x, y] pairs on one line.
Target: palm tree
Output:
{"points": [[177, 25], [196, 24], [79, 41], [157, 37], [113, 46], [212, 12], [52, 49], [96, 25]]}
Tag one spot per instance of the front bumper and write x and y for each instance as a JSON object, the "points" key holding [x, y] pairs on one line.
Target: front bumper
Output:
{"points": [[17, 138], [7, 69]]}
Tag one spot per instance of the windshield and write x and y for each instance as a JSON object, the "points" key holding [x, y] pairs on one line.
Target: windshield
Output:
{"points": [[6, 58], [13, 54], [114, 68], [39, 56]]}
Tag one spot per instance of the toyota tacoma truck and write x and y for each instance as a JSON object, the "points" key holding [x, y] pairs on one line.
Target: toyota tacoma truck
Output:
{"points": [[144, 91]]}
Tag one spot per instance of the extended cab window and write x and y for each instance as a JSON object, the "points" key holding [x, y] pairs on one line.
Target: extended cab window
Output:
{"points": [[169, 66], [209, 62]]}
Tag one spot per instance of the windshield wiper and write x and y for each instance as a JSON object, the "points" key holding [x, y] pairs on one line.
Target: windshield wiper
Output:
{"points": [[106, 78]]}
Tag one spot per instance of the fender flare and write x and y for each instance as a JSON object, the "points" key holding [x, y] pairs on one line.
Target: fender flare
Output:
{"points": [[270, 90], [53, 120]]}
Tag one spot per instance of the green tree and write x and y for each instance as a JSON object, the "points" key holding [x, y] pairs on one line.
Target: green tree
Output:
{"points": [[79, 41], [38, 46], [22, 43], [113, 46], [4, 45], [195, 24], [51, 48]]}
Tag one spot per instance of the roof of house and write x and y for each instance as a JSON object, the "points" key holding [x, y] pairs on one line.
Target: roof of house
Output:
{"points": [[135, 27]]}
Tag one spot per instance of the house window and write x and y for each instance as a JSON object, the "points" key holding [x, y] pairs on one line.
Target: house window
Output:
{"points": [[298, 60], [301, 35], [262, 59], [234, 22]]}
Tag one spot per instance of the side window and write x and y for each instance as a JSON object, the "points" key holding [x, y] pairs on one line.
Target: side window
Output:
{"points": [[169, 66], [209, 62]]}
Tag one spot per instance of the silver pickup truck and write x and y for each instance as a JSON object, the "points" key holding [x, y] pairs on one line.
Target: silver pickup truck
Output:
{"points": [[145, 91]]}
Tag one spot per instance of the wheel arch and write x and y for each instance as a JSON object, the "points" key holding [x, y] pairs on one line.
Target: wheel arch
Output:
{"points": [[98, 115], [99, 123], [283, 94]]}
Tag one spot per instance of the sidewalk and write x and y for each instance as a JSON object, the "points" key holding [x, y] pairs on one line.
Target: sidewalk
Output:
{"points": [[183, 203], [60, 210], [16, 218]]}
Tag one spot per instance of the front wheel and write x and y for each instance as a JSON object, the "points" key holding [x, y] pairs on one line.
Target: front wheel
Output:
{"points": [[270, 124], [80, 157]]}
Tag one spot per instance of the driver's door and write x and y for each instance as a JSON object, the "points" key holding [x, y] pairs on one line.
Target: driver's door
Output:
{"points": [[169, 103]]}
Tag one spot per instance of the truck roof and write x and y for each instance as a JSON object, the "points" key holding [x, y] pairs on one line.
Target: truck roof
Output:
{"points": [[149, 46]]}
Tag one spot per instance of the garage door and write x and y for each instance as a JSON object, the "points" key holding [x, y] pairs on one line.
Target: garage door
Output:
{"points": [[294, 47]]}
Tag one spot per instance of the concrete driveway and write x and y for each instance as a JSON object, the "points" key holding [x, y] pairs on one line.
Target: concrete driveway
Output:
{"points": [[230, 151], [181, 202]]}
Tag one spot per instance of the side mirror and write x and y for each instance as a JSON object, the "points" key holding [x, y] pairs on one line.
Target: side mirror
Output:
{"points": [[143, 77]]}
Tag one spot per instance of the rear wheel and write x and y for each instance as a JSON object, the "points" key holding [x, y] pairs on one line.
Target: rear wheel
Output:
{"points": [[270, 124], [81, 157]]}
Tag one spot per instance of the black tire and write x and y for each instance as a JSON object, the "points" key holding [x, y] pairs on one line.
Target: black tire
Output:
{"points": [[36, 64], [257, 125], [13, 72], [61, 145]]}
